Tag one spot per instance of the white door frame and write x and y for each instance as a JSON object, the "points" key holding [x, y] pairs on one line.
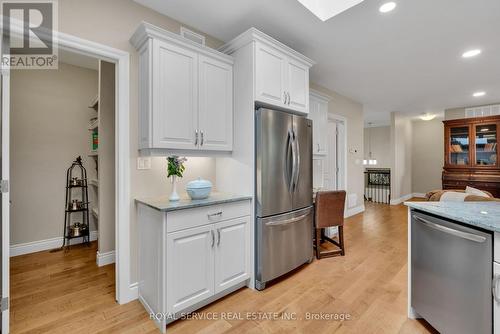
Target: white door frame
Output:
{"points": [[338, 118], [125, 291], [5, 86]]}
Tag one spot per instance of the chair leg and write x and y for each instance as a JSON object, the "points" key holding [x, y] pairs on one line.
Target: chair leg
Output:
{"points": [[318, 242], [341, 240]]}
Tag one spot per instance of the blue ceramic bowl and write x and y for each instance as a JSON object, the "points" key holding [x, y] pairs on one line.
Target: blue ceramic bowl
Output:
{"points": [[199, 189]]}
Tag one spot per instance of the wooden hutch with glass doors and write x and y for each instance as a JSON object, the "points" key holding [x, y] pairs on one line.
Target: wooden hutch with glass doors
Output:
{"points": [[471, 154]]}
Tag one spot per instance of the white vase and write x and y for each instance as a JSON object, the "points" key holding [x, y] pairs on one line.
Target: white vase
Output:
{"points": [[174, 197]]}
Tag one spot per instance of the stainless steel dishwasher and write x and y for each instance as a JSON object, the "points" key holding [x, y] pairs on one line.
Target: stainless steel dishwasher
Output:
{"points": [[451, 273]]}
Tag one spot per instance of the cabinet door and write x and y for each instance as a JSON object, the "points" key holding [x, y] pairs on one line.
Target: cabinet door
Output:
{"points": [[458, 146], [189, 267], [215, 104], [270, 75], [318, 113], [485, 145], [496, 299], [232, 253], [175, 97], [298, 86]]}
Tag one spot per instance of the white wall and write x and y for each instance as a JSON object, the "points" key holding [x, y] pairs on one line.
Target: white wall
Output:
{"points": [[427, 155], [379, 138], [353, 112], [401, 162], [49, 120]]}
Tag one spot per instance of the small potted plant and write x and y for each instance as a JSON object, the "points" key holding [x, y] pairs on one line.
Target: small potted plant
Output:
{"points": [[175, 168]]}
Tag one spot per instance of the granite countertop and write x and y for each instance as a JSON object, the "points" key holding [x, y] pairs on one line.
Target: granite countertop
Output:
{"points": [[163, 204], [484, 215]]}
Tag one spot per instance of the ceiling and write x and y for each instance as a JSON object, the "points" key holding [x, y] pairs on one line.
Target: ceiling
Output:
{"points": [[408, 60]]}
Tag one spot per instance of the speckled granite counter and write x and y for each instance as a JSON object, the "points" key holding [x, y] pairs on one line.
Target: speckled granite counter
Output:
{"points": [[484, 215], [163, 204]]}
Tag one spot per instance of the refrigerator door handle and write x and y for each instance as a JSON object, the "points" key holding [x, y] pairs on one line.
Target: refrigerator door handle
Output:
{"points": [[294, 161], [288, 221], [289, 169], [297, 162]]}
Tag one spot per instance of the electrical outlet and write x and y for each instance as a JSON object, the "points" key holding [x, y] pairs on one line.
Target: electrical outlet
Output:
{"points": [[143, 163]]}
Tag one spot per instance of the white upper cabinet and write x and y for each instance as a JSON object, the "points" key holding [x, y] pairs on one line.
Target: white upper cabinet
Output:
{"points": [[215, 104], [270, 74], [318, 113], [281, 73], [185, 93], [175, 97]]}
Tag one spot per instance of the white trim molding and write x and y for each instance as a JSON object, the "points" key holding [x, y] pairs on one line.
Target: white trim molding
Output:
{"points": [[43, 245], [400, 200], [103, 259], [354, 211], [419, 195], [121, 59]]}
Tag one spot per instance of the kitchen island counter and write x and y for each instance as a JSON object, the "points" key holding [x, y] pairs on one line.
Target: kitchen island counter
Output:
{"points": [[485, 215]]}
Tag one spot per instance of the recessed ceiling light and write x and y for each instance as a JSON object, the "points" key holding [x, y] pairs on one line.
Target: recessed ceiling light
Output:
{"points": [[479, 94], [387, 7], [427, 117], [326, 9], [471, 53]]}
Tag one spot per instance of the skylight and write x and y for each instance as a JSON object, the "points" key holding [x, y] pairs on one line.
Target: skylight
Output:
{"points": [[326, 9]]}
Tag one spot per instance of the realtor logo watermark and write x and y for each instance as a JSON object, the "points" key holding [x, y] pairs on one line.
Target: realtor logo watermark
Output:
{"points": [[28, 39]]}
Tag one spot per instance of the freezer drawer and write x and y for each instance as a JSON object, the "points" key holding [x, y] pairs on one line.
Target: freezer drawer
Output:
{"points": [[451, 272], [284, 242]]}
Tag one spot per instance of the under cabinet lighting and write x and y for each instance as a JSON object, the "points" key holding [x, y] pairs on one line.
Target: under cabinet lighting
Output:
{"points": [[387, 7], [326, 9]]}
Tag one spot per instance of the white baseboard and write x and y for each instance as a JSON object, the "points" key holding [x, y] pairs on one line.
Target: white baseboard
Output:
{"points": [[419, 195], [103, 259], [43, 245], [354, 211], [400, 200]]}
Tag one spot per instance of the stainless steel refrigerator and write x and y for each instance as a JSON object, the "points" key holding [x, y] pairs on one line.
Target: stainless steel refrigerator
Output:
{"points": [[284, 194]]}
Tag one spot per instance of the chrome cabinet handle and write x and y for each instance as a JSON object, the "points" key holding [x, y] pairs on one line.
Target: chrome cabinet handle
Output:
{"points": [[319, 148], [202, 138], [196, 138], [457, 233], [218, 213], [288, 93], [494, 288], [213, 238], [284, 95], [218, 237]]}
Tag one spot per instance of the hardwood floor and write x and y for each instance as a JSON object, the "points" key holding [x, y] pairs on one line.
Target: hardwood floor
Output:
{"points": [[68, 293]]}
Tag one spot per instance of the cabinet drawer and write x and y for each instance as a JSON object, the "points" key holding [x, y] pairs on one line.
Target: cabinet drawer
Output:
{"points": [[188, 218]]}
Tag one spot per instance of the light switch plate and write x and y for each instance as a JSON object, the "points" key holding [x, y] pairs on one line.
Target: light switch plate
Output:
{"points": [[143, 163]]}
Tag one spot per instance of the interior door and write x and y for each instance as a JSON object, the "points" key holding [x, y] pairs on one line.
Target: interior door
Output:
{"points": [[5, 202], [215, 104], [232, 253], [190, 267], [273, 160], [270, 75], [175, 97]]}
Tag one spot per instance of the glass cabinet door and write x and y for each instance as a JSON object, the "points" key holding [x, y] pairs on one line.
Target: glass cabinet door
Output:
{"points": [[486, 145], [459, 146]]}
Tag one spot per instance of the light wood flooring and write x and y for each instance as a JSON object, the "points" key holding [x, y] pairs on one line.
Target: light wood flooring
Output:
{"points": [[68, 293]]}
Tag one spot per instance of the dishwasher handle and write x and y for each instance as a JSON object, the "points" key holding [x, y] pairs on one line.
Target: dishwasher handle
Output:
{"points": [[457, 233]]}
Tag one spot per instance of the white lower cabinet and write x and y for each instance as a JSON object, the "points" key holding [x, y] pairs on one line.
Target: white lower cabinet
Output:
{"points": [[189, 258], [232, 253], [190, 267], [496, 298]]}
